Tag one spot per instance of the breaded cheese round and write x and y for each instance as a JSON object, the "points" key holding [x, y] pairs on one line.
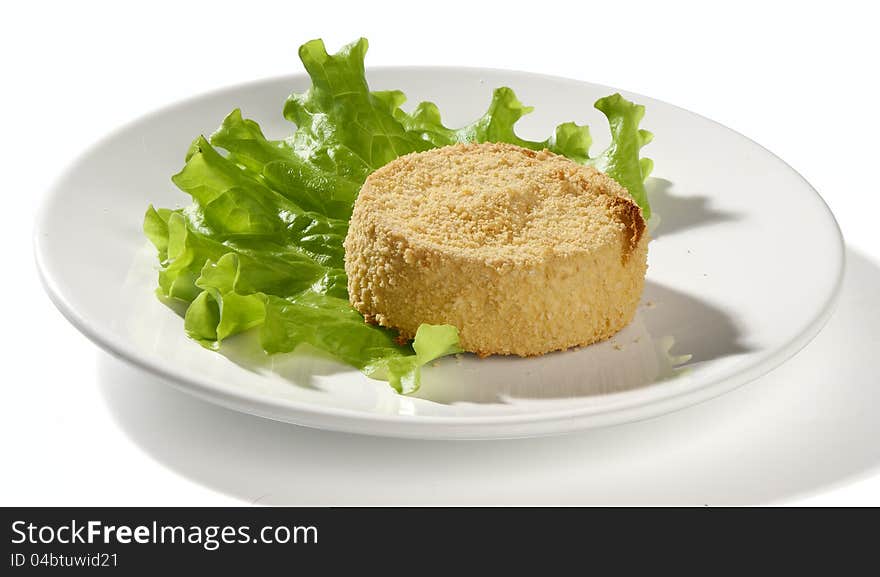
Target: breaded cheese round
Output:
{"points": [[525, 252]]}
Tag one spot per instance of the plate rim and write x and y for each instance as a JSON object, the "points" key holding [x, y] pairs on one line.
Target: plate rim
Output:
{"points": [[554, 421]]}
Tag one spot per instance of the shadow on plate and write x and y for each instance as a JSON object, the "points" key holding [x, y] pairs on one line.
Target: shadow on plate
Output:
{"points": [[679, 213], [302, 368], [671, 328], [809, 424]]}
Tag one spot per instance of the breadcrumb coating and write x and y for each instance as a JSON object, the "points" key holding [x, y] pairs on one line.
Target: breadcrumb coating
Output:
{"points": [[525, 252]]}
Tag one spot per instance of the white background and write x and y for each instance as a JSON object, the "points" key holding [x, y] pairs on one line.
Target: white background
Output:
{"points": [[800, 78]]}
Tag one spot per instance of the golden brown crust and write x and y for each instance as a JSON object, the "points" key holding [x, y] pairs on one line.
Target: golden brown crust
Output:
{"points": [[629, 213], [524, 251]]}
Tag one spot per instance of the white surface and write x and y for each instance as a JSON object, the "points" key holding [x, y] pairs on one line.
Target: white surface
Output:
{"points": [[796, 79], [715, 290]]}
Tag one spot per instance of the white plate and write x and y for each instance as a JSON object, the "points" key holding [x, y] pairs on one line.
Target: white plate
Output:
{"points": [[743, 271]]}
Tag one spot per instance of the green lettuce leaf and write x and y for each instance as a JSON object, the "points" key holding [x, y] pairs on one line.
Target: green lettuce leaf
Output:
{"points": [[260, 247]]}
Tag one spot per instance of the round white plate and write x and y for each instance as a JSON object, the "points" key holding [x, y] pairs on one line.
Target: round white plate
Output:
{"points": [[743, 270]]}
